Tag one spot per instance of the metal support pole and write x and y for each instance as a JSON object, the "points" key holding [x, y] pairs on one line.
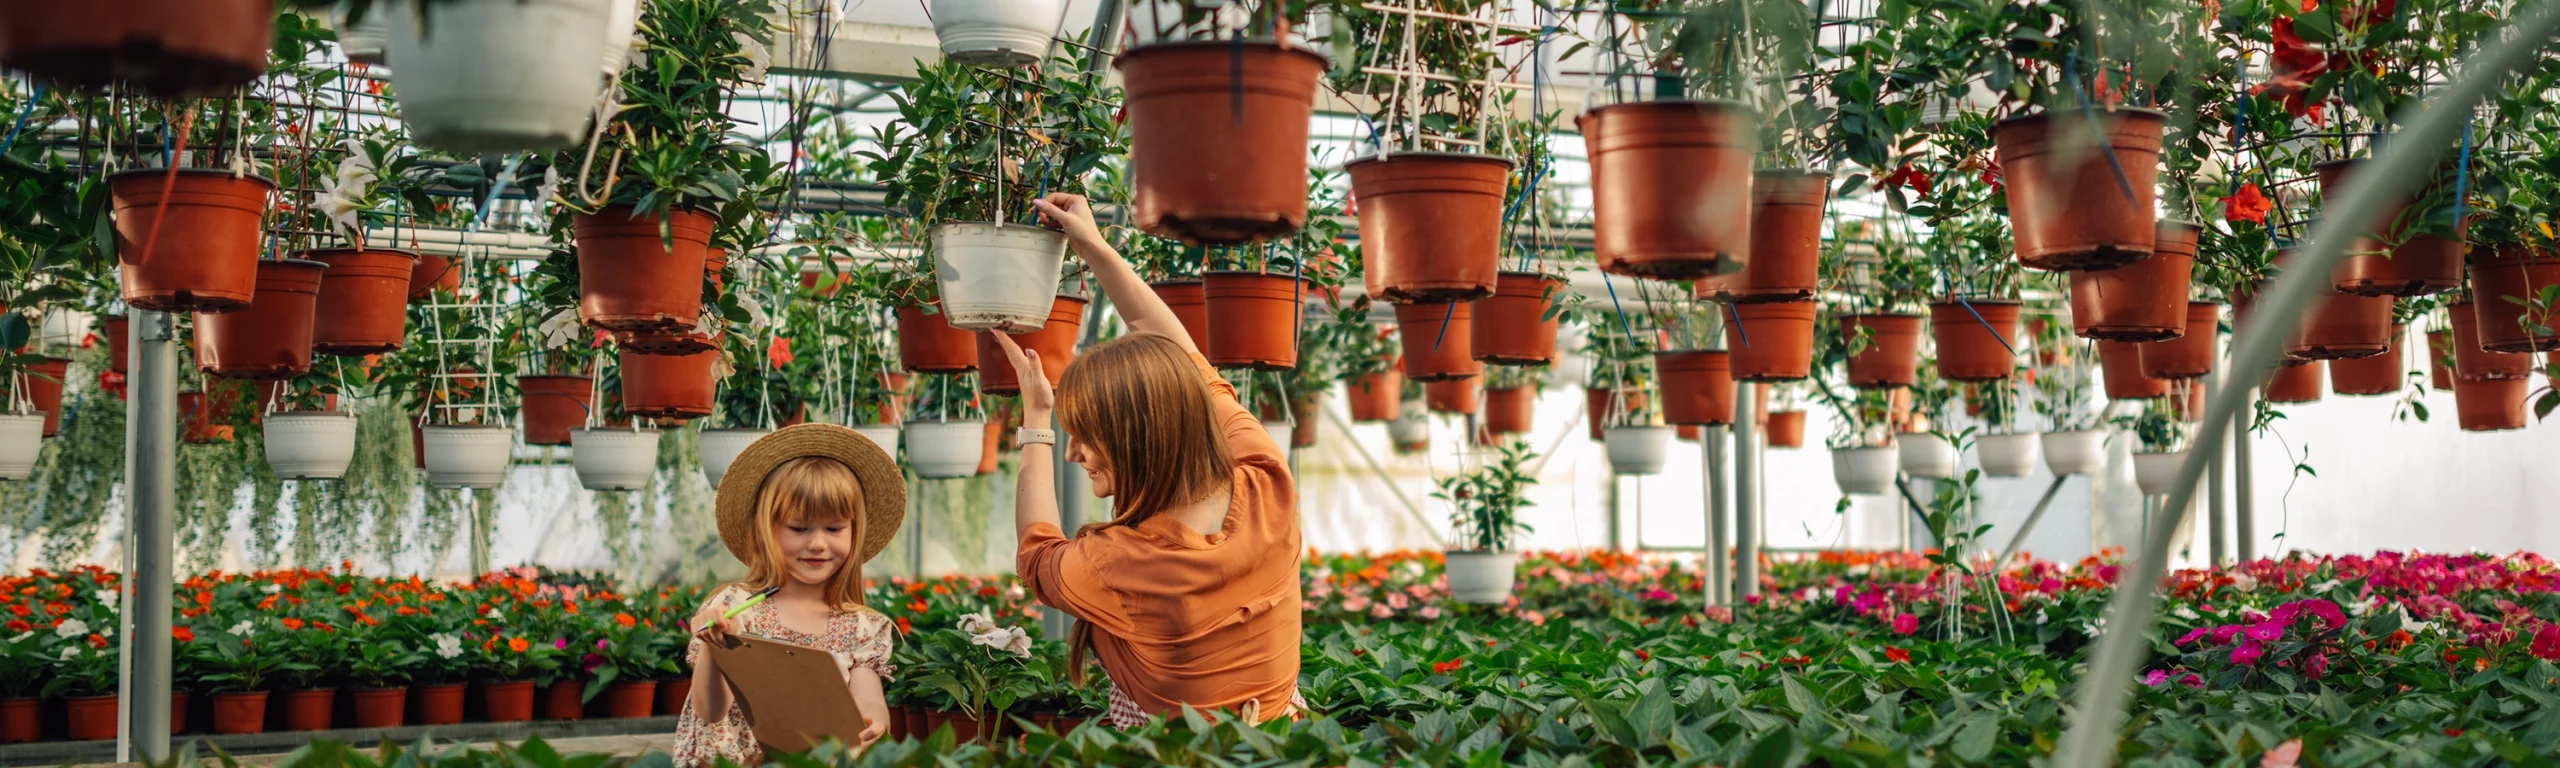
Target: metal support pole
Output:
{"points": [[2214, 513], [2029, 526], [2244, 496], [1746, 491], [1712, 440], [151, 473], [1612, 504], [1919, 513], [1106, 36]]}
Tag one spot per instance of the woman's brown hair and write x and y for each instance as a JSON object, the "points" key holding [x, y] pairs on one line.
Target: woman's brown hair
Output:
{"points": [[812, 491], [1140, 402]]}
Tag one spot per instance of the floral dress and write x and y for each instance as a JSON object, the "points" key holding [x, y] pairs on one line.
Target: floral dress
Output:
{"points": [[858, 638]]}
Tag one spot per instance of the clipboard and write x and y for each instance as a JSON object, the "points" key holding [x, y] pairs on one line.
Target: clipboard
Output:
{"points": [[794, 696]]}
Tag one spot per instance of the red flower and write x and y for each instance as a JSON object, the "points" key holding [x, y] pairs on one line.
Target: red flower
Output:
{"points": [[904, 627], [97, 641], [989, 591], [2453, 732], [1907, 176], [2247, 204], [20, 625], [1897, 654], [779, 352], [292, 623], [183, 634], [625, 619], [1447, 667], [1642, 655]]}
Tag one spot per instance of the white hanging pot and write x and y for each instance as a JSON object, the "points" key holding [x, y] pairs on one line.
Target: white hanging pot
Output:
{"points": [[2077, 452], [2157, 473], [615, 459], [2012, 455], [997, 275], [310, 445], [490, 76], [886, 436], [364, 41], [65, 327], [1281, 432], [1866, 471], [468, 456], [1409, 426], [1928, 455], [1636, 450], [1482, 577], [939, 449], [621, 21], [720, 447], [996, 33], [21, 439]]}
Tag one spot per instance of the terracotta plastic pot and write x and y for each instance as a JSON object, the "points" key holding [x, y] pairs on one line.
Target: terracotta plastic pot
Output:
{"points": [[2376, 375], [1977, 338], [21, 721], [202, 421], [188, 242], [2490, 405], [1671, 192], [2192, 353], [684, 342], [2339, 325], [2142, 301], [629, 279], [553, 405], [1430, 224], [360, 310], [926, 342], [90, 718], [2296, 381], [2422, 264], [1306, 415], [2075, 203], [240, 712], [1374, 397], [2125, 380], [271, 339], [44, 388], [117, 332], [434, 274], [436, 704], [1771, 341], [308, 710], [562, 700], [2500, 282], [671, 694], [1697, 386], [1190, 304], [2440, 359], [165, 48], [1597, 403], [667, 386], [2472, 362], [1510, 410], [1435, 340], [631, 699], [1786, 429], [1218, 138], [1451, 396], [1253, 320], [1786, 240], [381, 707], [1516, 325], [1056, 343], [1891, 357]]}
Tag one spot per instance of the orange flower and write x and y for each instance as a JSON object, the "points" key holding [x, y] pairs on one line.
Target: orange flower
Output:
{"points": [[405, 611], [518, 644], [904, 627], [20, 625], [97, 641], [2247, 204], [268, 604], [916, 607], [183, 634], [1446, 667], [292, 623], [625, 619]]}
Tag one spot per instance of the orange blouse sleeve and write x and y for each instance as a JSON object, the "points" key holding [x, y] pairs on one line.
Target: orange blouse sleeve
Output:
{"points": [[1061, 573], [1245, 435]]}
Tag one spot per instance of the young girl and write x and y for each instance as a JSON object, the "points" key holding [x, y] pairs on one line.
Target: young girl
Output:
{"points": [[803, 508]]}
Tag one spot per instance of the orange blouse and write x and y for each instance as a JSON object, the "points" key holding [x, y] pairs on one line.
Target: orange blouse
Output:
{"points": [[1209, 621]]}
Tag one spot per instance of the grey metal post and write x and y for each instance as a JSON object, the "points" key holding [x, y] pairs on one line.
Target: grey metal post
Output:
{"points": [[1745, 581], [1711, 440], [1611, 501], [151, 473], [2244, 502], [1068, 478], [1104, 36], [2214, 512]]}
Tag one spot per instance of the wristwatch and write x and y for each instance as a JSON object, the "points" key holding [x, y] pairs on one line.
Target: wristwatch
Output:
{"points": [[1030, 435]]}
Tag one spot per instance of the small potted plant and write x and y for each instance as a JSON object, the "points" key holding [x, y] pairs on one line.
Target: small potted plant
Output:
{"points": [[314, 656], [1372, 381], [630, 661], [484, 77], [984, 669], [1926, 451], [2160, 445], [1485, 504], [311, 433], [2073, 444], [237, 664], [1621, 409], [1879, 320], [1511, 399], [2004, 449], [1218, 113], [380, 664], [509, 665], [1697, 382], [1863, 455], [947, 436], [1785, 422], [440, 677]]}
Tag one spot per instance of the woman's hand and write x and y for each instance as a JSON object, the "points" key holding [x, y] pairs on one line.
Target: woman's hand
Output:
{"points": [[1038, 398], [1071, 214]]}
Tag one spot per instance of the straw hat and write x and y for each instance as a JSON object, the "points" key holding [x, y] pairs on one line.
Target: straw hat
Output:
{"points": [[884, 488]]}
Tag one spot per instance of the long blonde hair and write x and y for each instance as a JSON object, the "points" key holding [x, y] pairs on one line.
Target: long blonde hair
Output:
{"points": [[813, 491], [1140, 403]]}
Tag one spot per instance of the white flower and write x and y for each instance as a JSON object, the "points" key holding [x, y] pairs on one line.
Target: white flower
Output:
{"points": [[2184, 612], [71, 628], [559, 330], [243, 627], [721, 367], [2244, 582], [1008, 639], [550, 186], [70, 651], [836, 340], [1019, 643], [108, 597], [977, 623], [270, 588], [759, 57], [2325, 586], [448, 646]]}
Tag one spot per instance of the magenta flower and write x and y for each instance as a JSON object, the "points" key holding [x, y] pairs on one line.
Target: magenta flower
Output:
{"points": [[2247, 653], [2191, 680], [1905, 624], [2192, 634], [2265, 631], [2155, 678], [2546, 643], [2315, 666], [560, 644]]}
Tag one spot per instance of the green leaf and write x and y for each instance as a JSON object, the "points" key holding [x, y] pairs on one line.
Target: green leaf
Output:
{"points": [[1974, 740]]}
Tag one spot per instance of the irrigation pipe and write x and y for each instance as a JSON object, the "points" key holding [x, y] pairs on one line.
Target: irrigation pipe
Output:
{"points": [[2096, 729]]}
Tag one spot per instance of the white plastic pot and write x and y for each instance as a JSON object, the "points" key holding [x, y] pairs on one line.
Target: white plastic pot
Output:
{"points": [[883, 435], [1482, 577], [2077, 452], [1928, 455], [1865, 471], [66, 327], [1636, 450], [1281, 433], [615, 459], [366, 42], [468, 456], [310, 445], [621, 21], [996, 33], [2157, 473], [1410, 426], [490, 76], [2012, 455], [719, 447], [21, 439], [997, 275], [938, 449]]}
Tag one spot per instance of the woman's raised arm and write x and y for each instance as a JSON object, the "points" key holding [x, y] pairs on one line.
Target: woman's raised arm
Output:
{"points": [[1138, 305]]}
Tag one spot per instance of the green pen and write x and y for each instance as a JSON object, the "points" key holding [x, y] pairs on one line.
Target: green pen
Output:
{"points": [[751, 602]]}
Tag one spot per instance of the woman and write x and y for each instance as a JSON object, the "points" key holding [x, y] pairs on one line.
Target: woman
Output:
{"points": [[1189, 594]]}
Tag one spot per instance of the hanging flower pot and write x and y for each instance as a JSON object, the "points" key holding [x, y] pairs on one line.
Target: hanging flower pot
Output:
{"points": [[2192, 354], [2122, 361], [2296, 381], [1456, 396], [187, 239], [995, 33], [1602, 407], [310, 445], [1926, 455], [116, 330], [552, 406], [2440, 359], [940, 449], [21, 440], [1786, 429], [996, 275], [359, 311], [2142, 301], [271, 339], [490, 76], [629, 278], [1431, 224], [1436, 338], [1190, 304], [2339, 325], [668, 386], [381, 707], [44, 380], [165, 49], [1771, 341], [235, 713], [508, 701], [2490, 405], [1671, 194], [2076, 452], [1410, 432], [2377, 375], [1218, 138], [2157, 473], [1636, 449], [1056, 343], [434, 274], [1303, 413], [928, 343], [1866, 471], [883, 435], [1374, 397], [203, 420], [2422, 264], [2075, 203], [1786, 240], [1510, 410], [1890, 356], [614, 459], [2503, 284], [1697, 386], [1518, 323], [461, 456], [1482, 578], [1977, 338], [2008, 455], [2471, 360], [364, 42], [1252, 319], [720, 447]]}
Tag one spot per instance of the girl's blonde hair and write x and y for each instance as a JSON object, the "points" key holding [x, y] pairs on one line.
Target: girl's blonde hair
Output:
{"points": [[812, 491], [1139, 401]]}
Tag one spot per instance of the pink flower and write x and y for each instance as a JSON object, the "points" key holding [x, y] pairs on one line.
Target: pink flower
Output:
{"points": [[2191, 635], [2191, 680], [1355, 603], [1397, 601], [2285, 755], [1430, 613], [2247, 653], [2316, 665], [1720, 614], [2546, 643], [1905, 624], [2265, 631], [1381, 611], [2155, 678]]}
